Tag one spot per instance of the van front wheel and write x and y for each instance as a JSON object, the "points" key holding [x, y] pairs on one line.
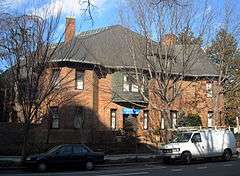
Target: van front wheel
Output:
{"points": [[186, 157], [227, 155]]}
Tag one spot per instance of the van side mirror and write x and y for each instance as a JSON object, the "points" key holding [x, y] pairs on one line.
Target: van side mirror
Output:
{"points": [[193, 140]]}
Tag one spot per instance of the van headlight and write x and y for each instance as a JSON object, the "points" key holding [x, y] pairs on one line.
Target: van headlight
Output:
{"points": [[176, 149]]}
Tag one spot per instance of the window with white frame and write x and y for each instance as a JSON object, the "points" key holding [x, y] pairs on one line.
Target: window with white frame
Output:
{"points": [[130, 83], [113, 118], [126, 84], [209, 88], [79, 80], [162, 122], [174, 115], [55, 117], [145, 119], [210, 118], [134, 88]]}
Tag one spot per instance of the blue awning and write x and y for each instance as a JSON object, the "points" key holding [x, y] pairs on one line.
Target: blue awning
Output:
{"points": [[131, 111]]}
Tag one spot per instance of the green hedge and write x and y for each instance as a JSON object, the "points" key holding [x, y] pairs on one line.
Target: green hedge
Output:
{"points": [[190, 120]]}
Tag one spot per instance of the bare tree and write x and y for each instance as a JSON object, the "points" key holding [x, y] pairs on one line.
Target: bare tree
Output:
{"points": [[29, 47], [170, 51]]}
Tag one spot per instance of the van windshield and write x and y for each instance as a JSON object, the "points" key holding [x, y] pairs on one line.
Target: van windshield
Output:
{"points": [[182, 137]]}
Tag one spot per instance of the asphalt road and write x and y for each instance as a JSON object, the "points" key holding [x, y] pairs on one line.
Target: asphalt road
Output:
{"points": [[231, 168]]}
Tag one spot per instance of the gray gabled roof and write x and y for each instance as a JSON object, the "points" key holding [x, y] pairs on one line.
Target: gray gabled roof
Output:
{"points": [[119, 47]]}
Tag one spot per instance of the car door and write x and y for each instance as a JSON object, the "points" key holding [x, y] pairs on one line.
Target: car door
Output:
{"points": [[62, 156], [80, 155], [198, 146]]}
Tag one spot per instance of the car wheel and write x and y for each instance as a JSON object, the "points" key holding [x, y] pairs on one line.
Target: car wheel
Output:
{"points": [[187, 157], [89, 165], [41, 167], [227, 155]]}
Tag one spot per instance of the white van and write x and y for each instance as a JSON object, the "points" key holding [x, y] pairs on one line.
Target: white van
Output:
{"points": [[200, 144]]}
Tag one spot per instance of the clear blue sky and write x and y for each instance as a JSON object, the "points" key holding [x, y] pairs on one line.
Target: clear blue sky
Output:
{"points": [[106, 12]]}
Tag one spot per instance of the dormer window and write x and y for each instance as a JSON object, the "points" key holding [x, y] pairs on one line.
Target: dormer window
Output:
{"points": [[130, 84]]}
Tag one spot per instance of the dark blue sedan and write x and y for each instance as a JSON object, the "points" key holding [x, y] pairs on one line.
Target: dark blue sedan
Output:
{"points": [[73, 155]]}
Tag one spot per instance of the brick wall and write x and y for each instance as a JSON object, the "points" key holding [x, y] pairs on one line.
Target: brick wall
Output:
{"points": [[97, 99]]}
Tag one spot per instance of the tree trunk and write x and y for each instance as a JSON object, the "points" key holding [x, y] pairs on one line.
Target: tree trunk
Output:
{"points": [[25, 140], [216, 107], [167, 123]]}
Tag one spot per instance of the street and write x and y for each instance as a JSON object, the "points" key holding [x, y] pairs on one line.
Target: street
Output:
{"points": [[196, 169]]}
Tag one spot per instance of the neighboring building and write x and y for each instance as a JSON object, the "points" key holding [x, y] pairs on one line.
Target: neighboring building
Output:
{"points": [[104, 97]]}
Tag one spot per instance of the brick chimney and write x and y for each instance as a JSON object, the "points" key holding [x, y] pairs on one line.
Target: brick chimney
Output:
{"points": [[169, 39], [70, 29]]}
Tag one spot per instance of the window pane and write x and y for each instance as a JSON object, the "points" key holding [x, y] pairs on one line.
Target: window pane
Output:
{"points": [[145, 120], [55, 123], [113, 119], [174, 118], [79, 80], [79, 150], [66, 150], [125, 83], [197, 137], [209, 90], [162, 123], [134, 88], [210, 119]]}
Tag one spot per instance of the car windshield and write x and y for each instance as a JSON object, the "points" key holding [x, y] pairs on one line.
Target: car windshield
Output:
{"points": [[182, 137]]}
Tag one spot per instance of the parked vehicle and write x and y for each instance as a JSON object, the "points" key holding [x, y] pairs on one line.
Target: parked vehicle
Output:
{"points": [[74, 155], [200, 144]]}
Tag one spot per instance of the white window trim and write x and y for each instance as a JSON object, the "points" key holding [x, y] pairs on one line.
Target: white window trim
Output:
{"points": [[134, 88], [174, 115], [210, 119], [162, 123], [209, 88], [145, 119], [126, 85], [113, 114], [79, 82]]}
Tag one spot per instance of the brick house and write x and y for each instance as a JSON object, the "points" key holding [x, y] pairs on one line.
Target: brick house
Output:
{"points": [[103, 99]]}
